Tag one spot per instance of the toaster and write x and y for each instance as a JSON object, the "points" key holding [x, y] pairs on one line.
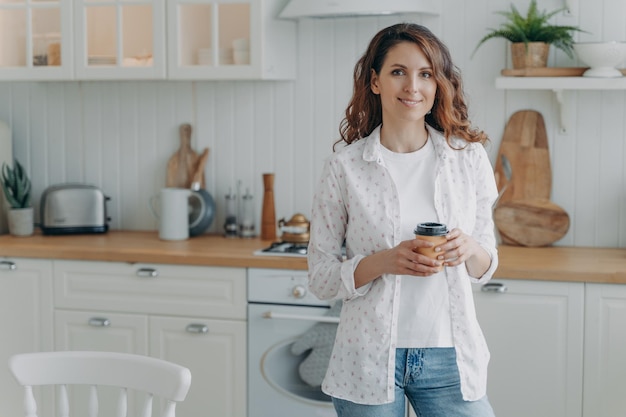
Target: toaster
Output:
{"points": [[73, 208]]}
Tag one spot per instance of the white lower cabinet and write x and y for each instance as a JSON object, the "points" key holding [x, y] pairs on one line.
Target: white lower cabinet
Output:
{"points": [[542, 335], [213, 350], [101, 330], [605, 351], [534, 330], [25, 323], [194, 316]]}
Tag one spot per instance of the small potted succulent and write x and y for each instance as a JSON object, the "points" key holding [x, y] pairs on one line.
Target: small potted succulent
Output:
{"points": [[16, 187], [532, 35]]}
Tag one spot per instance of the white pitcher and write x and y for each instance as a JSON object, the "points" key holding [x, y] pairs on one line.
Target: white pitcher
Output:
{"points": [[171, 207]]}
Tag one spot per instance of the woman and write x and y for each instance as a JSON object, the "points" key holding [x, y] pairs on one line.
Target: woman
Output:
{"points": [[411, 156]]}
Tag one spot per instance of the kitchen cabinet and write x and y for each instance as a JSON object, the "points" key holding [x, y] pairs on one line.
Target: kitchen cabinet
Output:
{"points": [[82, 39], [36, 40], [534, 330], [605, 341], [118, 39], [195, 316], [213, 350], [146, 39], [230, 39], [25, 322]]}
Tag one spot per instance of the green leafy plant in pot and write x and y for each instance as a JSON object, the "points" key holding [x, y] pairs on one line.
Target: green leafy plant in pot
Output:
{"points": [[532, 35], [17, 187]]}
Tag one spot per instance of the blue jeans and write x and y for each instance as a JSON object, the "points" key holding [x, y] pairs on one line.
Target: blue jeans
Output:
{"points": [[429, 378]]}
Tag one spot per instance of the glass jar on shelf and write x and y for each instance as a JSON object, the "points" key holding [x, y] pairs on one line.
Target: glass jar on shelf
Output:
{"points": [[46, 49]]}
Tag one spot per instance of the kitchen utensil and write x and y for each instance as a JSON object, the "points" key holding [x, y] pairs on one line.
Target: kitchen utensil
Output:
{"points": [[525, 145], [201, 209], [230, 225], [246, 216], [296, 230], [268, 214], [171, 207], [181, 166], [508, 174], [544, 72], [73, 208], [6, 156], [530, 222]]}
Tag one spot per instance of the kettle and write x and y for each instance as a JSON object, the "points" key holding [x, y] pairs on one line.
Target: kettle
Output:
{"points": [[296, 230]]}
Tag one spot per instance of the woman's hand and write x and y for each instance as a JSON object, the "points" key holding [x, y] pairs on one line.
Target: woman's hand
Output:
{"points": [[405, 260], [400, 260], [463, 248]]}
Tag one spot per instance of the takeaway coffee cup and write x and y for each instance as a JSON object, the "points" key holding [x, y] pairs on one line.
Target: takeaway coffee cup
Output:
{"points": [[171, 207], [434, 232]]}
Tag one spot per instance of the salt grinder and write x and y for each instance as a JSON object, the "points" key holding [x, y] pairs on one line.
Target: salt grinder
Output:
{"points": [[230, 226]]}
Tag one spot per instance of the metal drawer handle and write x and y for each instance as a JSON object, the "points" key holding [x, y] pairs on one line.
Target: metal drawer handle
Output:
{"points": [[99, 322], [147, 272], [197, 328], [8, 265], [494, 287], [321, 319]]}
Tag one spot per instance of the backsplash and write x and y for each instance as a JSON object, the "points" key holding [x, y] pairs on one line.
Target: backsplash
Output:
{"points": [[119, 135]]}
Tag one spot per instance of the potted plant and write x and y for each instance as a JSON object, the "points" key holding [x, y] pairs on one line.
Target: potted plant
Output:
{"points": [[17, 186], [532, 35]]}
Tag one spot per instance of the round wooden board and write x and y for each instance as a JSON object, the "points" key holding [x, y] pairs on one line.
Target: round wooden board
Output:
{"points": [[532, 222]]}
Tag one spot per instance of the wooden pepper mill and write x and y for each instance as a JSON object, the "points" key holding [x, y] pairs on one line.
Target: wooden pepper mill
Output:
{"points": [[268, 215]]}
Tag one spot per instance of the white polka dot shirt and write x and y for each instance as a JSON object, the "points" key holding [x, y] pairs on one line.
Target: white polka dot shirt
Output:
{"points": [[356, 200]]}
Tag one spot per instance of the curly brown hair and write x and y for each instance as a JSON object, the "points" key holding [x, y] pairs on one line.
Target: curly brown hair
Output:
{"points": [[449, 112]]}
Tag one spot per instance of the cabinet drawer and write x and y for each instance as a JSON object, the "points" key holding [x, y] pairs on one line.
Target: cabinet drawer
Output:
{"points": [[151, 289]]}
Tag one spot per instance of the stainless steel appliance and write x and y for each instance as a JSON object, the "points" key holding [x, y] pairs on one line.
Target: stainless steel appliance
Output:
{"points": [[280, 309], [73, 208]]}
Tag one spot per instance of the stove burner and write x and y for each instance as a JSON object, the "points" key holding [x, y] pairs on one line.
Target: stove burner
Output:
{"points": [[288, 247], [285, 248]]}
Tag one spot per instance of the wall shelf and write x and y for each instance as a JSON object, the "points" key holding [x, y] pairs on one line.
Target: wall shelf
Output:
{"points": [[560, 87]]}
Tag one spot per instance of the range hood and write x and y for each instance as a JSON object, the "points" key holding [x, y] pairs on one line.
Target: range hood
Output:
{"points": [[297, 9]]}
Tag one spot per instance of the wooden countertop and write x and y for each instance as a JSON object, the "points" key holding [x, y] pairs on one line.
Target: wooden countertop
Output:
{"points": [[599, 265], [146, 247]]}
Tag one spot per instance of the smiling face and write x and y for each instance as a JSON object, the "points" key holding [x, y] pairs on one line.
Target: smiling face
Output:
{"points": [[405, 84]]}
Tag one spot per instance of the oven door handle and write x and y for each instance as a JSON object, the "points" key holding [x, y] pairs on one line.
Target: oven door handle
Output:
{"points": [[322, 319]]}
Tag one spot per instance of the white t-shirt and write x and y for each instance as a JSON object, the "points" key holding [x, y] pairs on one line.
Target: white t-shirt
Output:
{"points": [[424, 316]]}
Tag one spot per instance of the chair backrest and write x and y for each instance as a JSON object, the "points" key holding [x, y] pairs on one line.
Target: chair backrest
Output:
{"points": [[152, 376]]}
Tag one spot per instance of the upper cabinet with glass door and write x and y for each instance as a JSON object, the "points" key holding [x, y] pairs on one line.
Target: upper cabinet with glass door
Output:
{"points": [[119, 39], [35, 40], [230, 39]]}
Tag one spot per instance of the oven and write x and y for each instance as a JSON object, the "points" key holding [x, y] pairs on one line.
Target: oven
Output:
{"points": [[280, 309]]}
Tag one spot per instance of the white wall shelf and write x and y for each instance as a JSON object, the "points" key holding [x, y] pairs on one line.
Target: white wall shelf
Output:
{"points": [[560, 86]]}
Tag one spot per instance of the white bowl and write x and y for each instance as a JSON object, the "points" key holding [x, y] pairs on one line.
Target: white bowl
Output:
{"points": [[602, 57]]}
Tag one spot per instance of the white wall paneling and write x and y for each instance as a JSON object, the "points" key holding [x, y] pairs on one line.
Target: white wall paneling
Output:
{"points": [[119, 135]]}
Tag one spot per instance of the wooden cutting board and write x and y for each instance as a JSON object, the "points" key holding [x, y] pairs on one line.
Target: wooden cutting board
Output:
{"points": [[525, 145], [545, 72], [182, 165], [532, 222], [548, 72]]}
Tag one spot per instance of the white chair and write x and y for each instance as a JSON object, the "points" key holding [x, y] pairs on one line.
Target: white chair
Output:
{"points": [[142, 374]]}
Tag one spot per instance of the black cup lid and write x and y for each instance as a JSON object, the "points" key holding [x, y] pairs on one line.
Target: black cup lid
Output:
{"points": [[431, 229]]}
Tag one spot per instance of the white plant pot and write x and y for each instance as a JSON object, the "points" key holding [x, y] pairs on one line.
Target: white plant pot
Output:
{"points": [[21, 221]]}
